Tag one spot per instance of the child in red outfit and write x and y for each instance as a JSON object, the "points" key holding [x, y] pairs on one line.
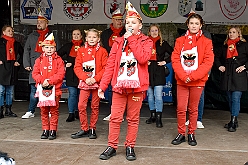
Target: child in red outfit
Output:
{"points": [[89, 67], [48, 74], [127, 69]]}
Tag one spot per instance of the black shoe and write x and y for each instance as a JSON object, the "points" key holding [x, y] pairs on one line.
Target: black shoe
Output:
{"points": [[80, 134], [108, 153], [92, 134], [152, 119], [130, 155], [45, 134], [76, 114], [9, 112], [52, 135], [71, 117], [159, 123], [179, 139], [191, 140], [1, 112]]}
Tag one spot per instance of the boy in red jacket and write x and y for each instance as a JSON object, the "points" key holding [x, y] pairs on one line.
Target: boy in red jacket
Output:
{"points": [[48, 74], [127, 69], [89, 67]]}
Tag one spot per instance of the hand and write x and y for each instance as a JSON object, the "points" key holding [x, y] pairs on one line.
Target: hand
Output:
{"points": [[28, 68], [68, 65], [161, 63], [187, 80], [93, 81], [88, 81], [45, 83], [222, 68], [240, 69], [1, 62], [16, 64], [101, 94], [148, 62], [127, 34]]}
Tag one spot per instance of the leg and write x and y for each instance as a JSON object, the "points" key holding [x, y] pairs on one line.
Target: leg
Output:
{"points": [[151, 103], [158, 93], [72, 103], [33, 100], [2, 93], [9, 98], [82, 105], [44, 114], [201, 107], [54, 110]]}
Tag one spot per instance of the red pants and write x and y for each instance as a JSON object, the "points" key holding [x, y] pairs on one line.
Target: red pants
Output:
{"points": [[187, 99], [82, 105], [133, 101], [52, 122]]}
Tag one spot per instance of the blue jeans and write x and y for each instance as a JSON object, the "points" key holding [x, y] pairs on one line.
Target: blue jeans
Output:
{"points": [[201, 107], [33, 100], [234, 102], [155, 99], [73, 99], [110, 93], [9, 94]]}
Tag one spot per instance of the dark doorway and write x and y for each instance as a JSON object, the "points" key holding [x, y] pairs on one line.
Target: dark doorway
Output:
{"points": [[5, 13]]}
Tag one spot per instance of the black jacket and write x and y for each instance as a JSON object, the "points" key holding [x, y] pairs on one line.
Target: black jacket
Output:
{"points": [[9, 72], [71, 78], [106, 34], [230, 79], [156, 72]]}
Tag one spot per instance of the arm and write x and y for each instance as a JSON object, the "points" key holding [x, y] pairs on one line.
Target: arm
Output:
{"points": [[104, 58], [36, 74], [26, 54], [78, 69], [169, 50]]}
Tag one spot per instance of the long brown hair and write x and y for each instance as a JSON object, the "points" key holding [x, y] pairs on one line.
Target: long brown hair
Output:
{"points": [[159, 32], [237, 28]]}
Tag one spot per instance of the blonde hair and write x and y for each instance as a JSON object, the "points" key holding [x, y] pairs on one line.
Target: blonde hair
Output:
{"points": [[238, 29], [159, 32], [98, 32]]}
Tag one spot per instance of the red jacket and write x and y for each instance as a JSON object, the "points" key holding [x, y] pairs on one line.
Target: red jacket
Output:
{"points": [[205, 60], [142, 50], [56, 79], [100, 60]]}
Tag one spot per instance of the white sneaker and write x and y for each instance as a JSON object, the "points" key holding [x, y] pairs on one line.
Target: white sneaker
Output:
{"points": [[200, 125], [187, 122], [107, 118], [28, 115]]}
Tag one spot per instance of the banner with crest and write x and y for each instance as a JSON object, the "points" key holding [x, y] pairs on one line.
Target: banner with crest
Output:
{"points": [[151, 11]]}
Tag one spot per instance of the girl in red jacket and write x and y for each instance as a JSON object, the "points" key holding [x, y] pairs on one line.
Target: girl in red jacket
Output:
{"points": [[48, 74], [89, 67], [192, 60], [127, 69]]}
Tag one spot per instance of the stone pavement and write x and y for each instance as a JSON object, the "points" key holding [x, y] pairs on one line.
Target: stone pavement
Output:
{"points": [[20, 138]]}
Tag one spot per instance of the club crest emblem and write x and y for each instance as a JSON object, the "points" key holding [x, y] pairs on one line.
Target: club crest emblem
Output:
{"points": [[47, 93], [153, 8], [131, 67], [77, 10], [111, 5], [121, 69], [32, 8], [189, 59], [233, 9]]}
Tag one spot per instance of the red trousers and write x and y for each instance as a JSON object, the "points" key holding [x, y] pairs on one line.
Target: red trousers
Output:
{"points": [[187, 99], [120, 102], [82, 105], [52, 122]]}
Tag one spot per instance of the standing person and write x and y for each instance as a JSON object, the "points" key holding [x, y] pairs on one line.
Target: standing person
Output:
{"points": [[48, 74], [232, 61], [157, 75], [89, 68], [107, 37], [68, 52], [32, 51], [192, 60], [127, 69], [11, 53]]}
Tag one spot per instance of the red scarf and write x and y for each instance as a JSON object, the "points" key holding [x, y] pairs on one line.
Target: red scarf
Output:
{"points": [[154, 57], [41, 38], [116, 33], [191, 39], [91, 50], [10, 51], [74, 49], [232, 51], [47, 65]]}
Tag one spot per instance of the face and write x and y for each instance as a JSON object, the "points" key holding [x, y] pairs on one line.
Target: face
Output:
{"points": [[194, 25], [48, 50], [9, 32], [92, 38], [154, 31], [233, 34], [42, 24], [76, 35], [133, 23], [117, 23]]}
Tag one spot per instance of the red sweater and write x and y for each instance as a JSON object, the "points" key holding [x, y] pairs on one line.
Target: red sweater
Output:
{"points": [[100, 60], [56, 79], [205, 60], [142, 50]]}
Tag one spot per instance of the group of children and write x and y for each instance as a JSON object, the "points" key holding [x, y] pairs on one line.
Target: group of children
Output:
{"points": [[126, 67]]}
